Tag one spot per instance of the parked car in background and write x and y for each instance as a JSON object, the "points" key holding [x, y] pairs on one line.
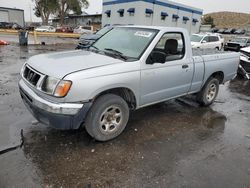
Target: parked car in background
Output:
{"points": [[237, 43], [86, 40], [213, 30], [46, 29], [208, 40], [4, 25], [10, 25], [83, 30], [240, 32], [32, 26], [13, 25], [64, 29], [229, 31], [221, 31], [244, 67], [127, 69]]}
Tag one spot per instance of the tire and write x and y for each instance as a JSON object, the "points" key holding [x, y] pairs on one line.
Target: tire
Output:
{"points": [[107, 118], [209, 92]]}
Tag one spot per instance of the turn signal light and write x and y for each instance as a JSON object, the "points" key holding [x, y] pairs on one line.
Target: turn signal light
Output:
{"points": [[62, 88]]}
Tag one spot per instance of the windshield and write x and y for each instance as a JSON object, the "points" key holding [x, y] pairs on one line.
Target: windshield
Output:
{"points": [[103, 30], [196, 38], [129, 42], [239, 40]]}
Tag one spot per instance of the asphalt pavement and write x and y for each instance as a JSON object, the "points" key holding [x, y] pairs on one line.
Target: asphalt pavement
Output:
{"points": [[172, 144]]}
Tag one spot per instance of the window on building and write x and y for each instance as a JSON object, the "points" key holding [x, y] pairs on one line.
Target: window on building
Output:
{"points": [[108, 13], [121, 12], [131, 11], [194, 21], [164, 15], [149, 12], [173, 45], [185, 19], [175, 18]]}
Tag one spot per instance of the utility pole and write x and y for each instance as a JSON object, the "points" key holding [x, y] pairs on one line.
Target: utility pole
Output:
{"points": [[30, 14]]}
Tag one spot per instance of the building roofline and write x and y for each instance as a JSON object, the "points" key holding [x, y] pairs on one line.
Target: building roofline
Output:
{"points": [[166, 3], [7, 8]]}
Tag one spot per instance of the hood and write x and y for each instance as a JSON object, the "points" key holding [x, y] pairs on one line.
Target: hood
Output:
{"points": [[247, 49], [195, 43], [237, 43], [60, 64]]}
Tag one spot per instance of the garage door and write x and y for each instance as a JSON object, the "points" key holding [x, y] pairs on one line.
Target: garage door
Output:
{"points": [[4, 16]]}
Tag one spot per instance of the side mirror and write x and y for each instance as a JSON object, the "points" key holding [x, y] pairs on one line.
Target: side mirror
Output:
{"points": [[204, 41], [156, 57]]}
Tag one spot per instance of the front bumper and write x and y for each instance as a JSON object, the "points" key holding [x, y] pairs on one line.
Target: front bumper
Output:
{"points": [[57, 115]]}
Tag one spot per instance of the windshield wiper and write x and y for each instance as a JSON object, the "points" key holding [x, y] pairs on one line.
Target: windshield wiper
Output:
{"points": [[117, 53], [97, 50]]}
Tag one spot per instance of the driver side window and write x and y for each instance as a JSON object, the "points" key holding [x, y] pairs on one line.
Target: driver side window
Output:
{"points": [[172, 44], [206, 39]]}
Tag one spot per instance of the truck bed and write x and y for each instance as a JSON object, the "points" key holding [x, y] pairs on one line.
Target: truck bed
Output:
{"points": [[214, 60], [202, 52]]}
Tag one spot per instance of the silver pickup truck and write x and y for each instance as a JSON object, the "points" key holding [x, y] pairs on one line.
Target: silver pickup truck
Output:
{"points": [[128, 68]]}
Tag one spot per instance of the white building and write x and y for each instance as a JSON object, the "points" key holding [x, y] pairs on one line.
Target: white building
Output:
{"points": [[151, 12], [12, 15]]}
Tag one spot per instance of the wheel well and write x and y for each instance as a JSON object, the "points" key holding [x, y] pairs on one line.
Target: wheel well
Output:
{"points": [[219, 75], [124, 93]]}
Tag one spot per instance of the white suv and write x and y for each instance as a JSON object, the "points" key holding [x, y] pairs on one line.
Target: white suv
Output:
{"points": [[208, 40]]}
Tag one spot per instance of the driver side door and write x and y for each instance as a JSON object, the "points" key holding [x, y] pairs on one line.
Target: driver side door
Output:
{"points": [[162, 81]]}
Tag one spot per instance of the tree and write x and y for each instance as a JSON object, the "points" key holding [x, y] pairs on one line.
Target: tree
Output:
{"points": [[65, 6], [45, 8], [208, 20]]}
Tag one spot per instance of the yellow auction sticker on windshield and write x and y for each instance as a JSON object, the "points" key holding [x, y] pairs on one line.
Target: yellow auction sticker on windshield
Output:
{"points": [[143, 34]]}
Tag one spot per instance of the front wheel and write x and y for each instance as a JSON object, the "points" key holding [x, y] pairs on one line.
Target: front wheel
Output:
{"points": [[107, 118], [209, 92]]}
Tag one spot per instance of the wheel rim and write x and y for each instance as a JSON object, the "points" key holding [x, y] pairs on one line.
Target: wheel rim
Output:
{"points": [[110, 120], [211, 93]]}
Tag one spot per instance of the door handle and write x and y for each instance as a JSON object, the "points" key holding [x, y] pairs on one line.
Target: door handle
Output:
{"points": [[184, 66]]}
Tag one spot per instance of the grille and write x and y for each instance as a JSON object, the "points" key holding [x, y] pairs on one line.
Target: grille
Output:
{"points": [[245, 53], [31, 76], [233, 45]]}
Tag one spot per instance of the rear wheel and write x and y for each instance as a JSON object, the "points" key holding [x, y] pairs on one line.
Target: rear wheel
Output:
{"points": [[209, 92], [107, 118]]}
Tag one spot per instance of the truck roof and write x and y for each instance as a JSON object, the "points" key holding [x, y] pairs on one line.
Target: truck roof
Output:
{"points": [[155, 27]]}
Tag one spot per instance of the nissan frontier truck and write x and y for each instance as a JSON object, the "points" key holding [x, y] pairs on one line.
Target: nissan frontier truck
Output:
{"points": [[128, 68]]}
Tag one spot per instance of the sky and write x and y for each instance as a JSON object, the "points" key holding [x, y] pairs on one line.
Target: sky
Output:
{"points": [[96, 6]]}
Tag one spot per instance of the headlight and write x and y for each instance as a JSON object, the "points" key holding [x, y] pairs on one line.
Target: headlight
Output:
{"points": [[56, 87], [50, 84]]}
